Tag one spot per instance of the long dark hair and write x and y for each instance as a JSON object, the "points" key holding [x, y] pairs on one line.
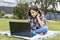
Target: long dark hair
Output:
{"points": [[35, 8]]}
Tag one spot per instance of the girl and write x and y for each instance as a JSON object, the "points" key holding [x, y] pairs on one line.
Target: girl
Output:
{"points": [[37, 21]]}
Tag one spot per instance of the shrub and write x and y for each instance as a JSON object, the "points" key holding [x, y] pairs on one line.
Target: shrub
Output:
{"points": [[20, 11], [2, 13]]}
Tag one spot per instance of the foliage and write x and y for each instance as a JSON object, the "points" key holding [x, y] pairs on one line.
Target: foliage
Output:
{"points": [[46, 3], [2, 13], [21, 10]]}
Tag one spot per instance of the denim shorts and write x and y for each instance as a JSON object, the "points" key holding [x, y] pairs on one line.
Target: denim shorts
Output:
{"points": [[43, 30]]}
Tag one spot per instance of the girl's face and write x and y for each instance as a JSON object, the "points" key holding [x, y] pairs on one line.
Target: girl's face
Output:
{"points": [[33, 13]]}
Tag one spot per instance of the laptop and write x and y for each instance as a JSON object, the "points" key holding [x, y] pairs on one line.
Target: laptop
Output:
{"points": [[20, 29]]}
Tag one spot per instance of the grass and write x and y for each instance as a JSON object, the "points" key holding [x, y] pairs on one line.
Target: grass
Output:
{"points": [[4, 23], [4, 26], [54, 25]]}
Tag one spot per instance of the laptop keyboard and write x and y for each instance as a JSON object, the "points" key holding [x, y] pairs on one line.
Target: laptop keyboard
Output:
{"points": [[26, 34]]}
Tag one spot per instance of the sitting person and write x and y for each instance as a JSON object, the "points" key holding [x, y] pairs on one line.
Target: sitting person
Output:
{"points": [[37, 21]]}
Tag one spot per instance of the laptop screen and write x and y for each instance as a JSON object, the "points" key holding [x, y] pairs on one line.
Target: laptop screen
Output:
{"points": [[21, 28]]}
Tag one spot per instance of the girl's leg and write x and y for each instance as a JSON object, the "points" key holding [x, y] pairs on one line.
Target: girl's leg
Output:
{"points": [[33, 32], [41, 30]]}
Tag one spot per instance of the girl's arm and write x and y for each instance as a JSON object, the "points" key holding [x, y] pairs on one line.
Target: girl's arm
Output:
{"points": [[40, 21]]}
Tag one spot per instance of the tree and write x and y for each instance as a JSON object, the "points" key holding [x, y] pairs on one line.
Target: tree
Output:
{"points": [[46, 3], [21, 10]]}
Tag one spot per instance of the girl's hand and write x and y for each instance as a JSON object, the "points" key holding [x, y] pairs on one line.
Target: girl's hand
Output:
{"points": [[38, 15], [40, 21]]}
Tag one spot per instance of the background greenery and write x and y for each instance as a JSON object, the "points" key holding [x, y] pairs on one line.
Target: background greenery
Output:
{"points": [[20, 11]]}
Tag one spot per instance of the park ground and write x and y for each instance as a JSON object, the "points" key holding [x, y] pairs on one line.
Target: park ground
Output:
{"points": [[4, 26]]}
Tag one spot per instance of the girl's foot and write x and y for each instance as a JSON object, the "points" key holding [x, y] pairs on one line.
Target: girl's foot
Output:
{"points": [[41, 33]]}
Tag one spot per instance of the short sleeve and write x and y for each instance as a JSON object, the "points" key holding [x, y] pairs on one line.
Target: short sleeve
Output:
{"points": [[43, 18]]}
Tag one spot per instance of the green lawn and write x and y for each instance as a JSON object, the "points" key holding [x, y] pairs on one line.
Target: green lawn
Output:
{"points": [[4, 26]]}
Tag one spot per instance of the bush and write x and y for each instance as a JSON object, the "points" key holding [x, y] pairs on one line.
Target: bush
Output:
{"points": [[15, 17], [2, 13], [20, 11], [10, 16], [5, 17]]}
